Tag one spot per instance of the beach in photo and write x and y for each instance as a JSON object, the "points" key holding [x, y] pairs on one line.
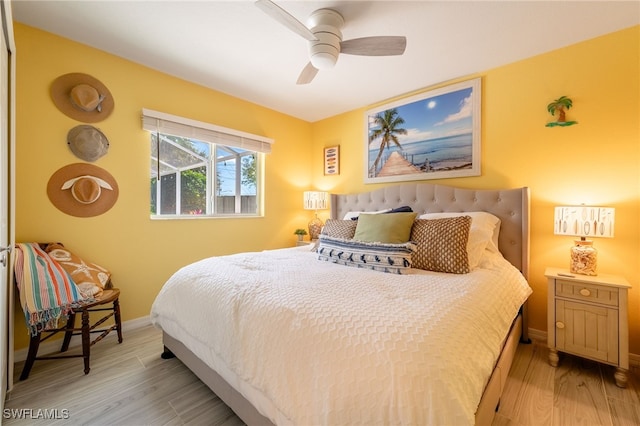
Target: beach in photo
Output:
{"points": [[426, 135], [432, 155]]}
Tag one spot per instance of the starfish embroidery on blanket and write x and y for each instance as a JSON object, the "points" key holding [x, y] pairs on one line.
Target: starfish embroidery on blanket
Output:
{"points": [[82, 268]]}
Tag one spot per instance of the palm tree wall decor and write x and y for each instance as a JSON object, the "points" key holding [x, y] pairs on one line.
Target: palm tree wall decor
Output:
{"points": [[560, 105]]}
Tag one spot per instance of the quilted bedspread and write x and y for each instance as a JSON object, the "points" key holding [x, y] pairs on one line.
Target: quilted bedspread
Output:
{"points": [[309, 342]]}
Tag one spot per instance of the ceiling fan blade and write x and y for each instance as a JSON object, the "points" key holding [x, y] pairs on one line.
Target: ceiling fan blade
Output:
{"points": [[282, 16], [307, 74], [374, 46]]}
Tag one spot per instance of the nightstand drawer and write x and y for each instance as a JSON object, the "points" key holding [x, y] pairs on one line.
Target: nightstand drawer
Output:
{"points": [[588, 292]]}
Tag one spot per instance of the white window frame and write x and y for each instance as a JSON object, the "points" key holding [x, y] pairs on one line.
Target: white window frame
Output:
{"points": [[160, 124]]}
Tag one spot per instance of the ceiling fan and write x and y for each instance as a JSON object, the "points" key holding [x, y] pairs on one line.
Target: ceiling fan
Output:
{"points": [[325, 39]]}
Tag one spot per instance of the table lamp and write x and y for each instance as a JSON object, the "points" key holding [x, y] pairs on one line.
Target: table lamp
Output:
{"points": [[315, 200], [584, 222]]}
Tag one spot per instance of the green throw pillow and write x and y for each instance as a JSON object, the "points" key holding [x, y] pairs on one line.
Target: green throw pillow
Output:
{"points": [[392, 228]]}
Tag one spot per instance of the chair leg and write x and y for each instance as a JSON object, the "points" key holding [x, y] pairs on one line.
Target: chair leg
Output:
{"points": [[71, 322], [116, 310], [34, 343], [86, 339]]}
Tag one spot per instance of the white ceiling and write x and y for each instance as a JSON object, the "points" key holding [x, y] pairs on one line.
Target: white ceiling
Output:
{"points": [[234, 47]]}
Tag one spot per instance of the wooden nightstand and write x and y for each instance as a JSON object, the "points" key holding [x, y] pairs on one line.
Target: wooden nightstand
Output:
{"points": [[587, 316], [302, 243]]}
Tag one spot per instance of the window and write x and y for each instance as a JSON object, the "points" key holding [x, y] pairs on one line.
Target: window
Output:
{"points": [[198, 169]]}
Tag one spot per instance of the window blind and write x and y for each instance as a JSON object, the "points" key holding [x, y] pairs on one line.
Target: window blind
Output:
{"points": [[160, 122]]}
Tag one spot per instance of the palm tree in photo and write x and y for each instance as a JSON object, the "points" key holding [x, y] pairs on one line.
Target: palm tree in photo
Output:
{"points": [[387, 127]]}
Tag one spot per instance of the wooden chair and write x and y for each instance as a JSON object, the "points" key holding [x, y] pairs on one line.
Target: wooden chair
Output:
{"points": [[109, 296]]}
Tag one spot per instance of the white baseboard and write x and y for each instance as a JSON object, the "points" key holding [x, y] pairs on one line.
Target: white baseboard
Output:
{"points": [[541, 336], [537, 335], [54, 346]]}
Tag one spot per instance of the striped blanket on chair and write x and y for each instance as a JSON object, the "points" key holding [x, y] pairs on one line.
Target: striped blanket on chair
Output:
{"points": [[46, 290]]}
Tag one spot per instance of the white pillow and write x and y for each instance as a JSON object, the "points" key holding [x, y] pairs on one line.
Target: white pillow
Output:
{"points": [[355, 215], [483, 235]]}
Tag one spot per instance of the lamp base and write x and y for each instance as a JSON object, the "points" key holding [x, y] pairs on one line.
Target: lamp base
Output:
{"points": [[315, 227], [584, 258]]}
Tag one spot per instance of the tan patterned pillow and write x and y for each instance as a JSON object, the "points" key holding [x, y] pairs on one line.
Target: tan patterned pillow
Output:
{"points": [[340, 228], [90, 278], [441, 244]]}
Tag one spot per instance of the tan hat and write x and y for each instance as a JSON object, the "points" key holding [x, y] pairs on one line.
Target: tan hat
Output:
{"points": [[87, 143], [82, 97], [82, 190]]}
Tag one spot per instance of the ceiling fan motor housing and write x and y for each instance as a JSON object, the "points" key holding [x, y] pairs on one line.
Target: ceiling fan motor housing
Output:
{"points": [[325, 24]]}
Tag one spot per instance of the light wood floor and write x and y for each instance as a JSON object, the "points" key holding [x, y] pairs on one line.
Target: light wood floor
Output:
{"points": [[578, 392], [129, 384]]}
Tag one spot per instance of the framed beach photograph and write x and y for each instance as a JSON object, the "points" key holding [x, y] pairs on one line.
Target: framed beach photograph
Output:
{"points": [[432, 135], [332, 160]]}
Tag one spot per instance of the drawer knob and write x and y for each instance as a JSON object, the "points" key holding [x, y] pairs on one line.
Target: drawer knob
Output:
{"points": [[585, 292], [560, 325]]}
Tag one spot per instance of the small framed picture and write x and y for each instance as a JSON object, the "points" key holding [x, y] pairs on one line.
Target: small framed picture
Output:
{"points": [[332, 160]]}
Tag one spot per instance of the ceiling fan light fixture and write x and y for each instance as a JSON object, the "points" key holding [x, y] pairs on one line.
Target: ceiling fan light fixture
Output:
{"points": [[323, 53], [325, 39], [323, 60]]}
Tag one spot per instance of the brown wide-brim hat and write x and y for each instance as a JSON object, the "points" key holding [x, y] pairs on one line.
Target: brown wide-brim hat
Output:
{"points": [[82, 190], [82, 97]]}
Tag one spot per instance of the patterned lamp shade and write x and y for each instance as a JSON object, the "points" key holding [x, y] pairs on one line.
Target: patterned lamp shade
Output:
{"points": [[584, 222], [315, 200]]}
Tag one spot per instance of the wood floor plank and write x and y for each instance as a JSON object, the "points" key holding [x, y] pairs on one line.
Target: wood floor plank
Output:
{"points": [[579, 393], [536, 398], [631, 393], [81, 389], [156, 412], [145, 389], [215, 412], [176, 421], [190, 403], [75, 383], [515, 384], [501, 420], [130, 384], [624, 413]]}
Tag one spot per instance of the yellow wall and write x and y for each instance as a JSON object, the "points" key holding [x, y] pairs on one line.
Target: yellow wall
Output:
{"points": [[141, 253], [595, 162]]}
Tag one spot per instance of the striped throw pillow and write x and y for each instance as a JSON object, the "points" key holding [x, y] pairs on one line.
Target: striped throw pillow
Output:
{"points": [[383, 257]]}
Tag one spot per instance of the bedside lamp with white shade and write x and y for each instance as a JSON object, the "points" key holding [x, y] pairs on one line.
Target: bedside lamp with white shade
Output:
{"points": [[315, 200], [584, 222]]}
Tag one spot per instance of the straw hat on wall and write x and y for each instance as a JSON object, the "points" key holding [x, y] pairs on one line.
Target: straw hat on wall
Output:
{"points": [[82, 190], [82, 97], [87, 143]]}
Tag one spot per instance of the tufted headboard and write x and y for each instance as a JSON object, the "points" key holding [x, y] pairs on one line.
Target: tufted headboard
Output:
{"points": [[510, 205]]}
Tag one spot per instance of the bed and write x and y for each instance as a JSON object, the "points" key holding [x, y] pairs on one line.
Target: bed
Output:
{"points": [[292, 336]]}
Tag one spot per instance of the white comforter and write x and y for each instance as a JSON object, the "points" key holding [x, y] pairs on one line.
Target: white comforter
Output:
{"points": [[310, 342]]}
